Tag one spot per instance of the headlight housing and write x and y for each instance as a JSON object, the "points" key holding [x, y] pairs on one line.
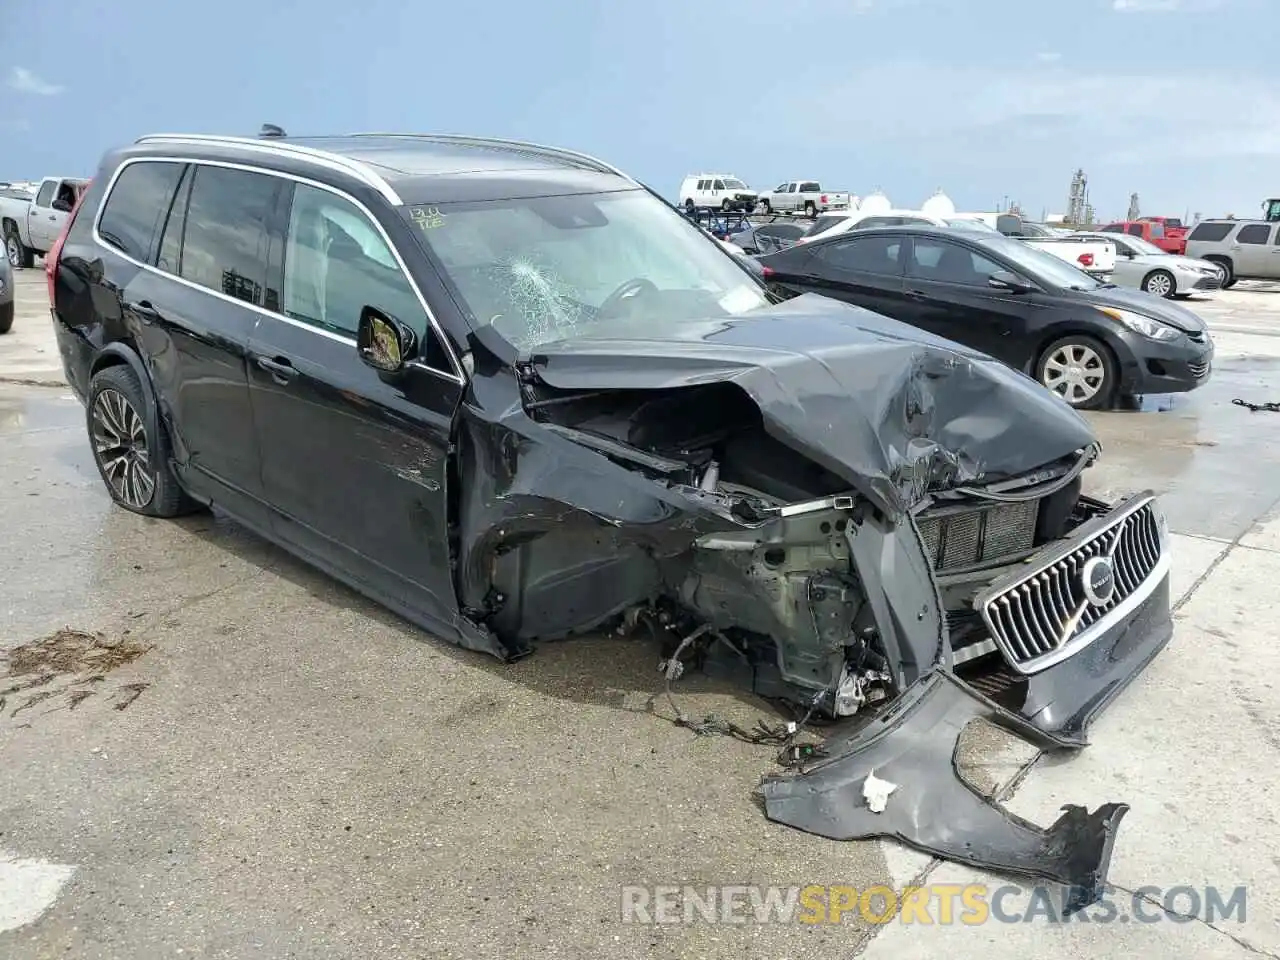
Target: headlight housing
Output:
{"points": [[1145, 326]]}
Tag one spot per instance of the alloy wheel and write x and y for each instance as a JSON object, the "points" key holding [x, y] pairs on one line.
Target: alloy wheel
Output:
{"points": [[1075, 372], [12, 250], [120, 446], [1160, 285]]}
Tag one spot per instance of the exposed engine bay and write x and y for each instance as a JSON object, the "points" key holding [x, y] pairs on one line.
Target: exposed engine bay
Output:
{"points": [[840, 513], [781, 600]]}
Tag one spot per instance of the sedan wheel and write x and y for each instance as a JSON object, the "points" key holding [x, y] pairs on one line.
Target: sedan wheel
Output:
{"points": [[120, 447], [1078, 369], [1160, 283]]}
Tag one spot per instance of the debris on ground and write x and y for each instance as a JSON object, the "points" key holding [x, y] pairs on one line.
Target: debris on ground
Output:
{"points": [[67, 661]]}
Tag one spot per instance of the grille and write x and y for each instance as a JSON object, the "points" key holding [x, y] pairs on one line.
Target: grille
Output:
{"points": [[1198, 368], [979, 536], [1196, 336], [1208, 283], [1046, 616]]}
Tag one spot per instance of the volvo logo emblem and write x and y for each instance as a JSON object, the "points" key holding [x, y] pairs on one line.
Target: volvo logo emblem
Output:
{"points": [[1098, 580]]}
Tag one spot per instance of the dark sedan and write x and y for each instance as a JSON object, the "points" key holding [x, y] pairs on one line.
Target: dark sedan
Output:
{"points": [[1089, 342]]}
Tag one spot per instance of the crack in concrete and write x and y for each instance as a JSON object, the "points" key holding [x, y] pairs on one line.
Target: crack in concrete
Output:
{"points": [[1239, 941]]}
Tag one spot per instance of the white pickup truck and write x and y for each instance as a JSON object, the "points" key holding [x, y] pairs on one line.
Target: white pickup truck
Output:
{"points": [[1093, 256], [803, 196], [30, 223]]}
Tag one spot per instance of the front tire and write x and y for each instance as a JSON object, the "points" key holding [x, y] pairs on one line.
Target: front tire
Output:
{"points": [[1160, 283], [766, 207], [134, 464], [1080, 369], [726, 205]]}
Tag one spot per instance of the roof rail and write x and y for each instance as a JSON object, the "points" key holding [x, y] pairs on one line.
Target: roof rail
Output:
{"points": [[277, 147], [584, 158]]}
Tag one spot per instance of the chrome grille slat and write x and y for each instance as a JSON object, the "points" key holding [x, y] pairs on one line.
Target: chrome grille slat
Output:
{"points": [[1039, 617]]}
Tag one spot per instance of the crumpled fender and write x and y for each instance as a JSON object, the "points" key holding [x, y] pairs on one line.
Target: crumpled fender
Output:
{"points": [[913, 745]]}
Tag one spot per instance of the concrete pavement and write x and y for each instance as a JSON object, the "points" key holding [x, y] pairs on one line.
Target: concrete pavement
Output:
{"points": [[286, 770]]}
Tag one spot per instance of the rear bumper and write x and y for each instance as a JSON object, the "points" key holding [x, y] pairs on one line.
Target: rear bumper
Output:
{"points": [[77, 356]]}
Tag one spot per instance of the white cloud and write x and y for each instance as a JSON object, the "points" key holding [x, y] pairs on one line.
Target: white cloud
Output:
{"points": [[24, 81], [1048, 56], [980, 123], [1164, 6]]}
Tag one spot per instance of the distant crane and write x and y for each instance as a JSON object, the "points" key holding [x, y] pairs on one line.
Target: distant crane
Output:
{"points": [[1078, 200], [1134, 210]]}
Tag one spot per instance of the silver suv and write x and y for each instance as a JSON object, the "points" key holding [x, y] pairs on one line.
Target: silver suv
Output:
{"points": [[1245, 249]]}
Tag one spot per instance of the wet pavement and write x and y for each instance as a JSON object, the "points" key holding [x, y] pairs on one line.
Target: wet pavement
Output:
{"points": [[278, 768]]}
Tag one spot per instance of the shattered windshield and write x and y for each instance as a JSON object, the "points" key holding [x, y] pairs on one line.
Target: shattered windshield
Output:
{"points": [[551, 268]]}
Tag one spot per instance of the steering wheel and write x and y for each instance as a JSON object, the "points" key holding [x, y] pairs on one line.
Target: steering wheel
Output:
{"points": [[627, 290]]}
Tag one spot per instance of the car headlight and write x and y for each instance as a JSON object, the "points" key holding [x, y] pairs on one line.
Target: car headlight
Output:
{"points": [[1146, 326]]}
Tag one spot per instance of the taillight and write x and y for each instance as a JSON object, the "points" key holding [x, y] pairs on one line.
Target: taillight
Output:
{"points": [[1085, 259], [51, 258], [823, 198]]}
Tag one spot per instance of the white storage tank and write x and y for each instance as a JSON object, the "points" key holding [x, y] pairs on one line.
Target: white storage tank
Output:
{"points": [[875, 203], [939, 205]]}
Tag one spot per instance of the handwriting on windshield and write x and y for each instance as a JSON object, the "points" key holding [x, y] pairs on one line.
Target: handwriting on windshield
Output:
{"points": [[427, 218]]}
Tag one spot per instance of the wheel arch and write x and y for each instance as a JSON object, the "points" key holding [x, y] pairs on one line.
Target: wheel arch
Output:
{"points": [[121, 354], [1072, 329]]}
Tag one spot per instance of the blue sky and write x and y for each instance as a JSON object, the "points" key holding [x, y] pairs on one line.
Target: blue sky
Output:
{"points": [[1174, 99]]}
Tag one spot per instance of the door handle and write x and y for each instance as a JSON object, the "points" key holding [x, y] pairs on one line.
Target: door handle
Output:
{"points": [[53, 216], [916, 294], [281, 370], [144, 311]]}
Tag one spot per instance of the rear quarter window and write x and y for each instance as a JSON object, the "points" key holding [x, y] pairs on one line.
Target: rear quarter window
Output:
{"points": [[1210, 232], [138, 200], [1254, 233]]}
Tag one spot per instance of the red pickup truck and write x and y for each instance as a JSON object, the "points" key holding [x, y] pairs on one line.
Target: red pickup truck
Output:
{"points": [[1167, 233]]}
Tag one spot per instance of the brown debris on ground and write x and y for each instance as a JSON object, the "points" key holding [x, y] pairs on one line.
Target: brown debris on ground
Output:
{"points": [[73, 657]]}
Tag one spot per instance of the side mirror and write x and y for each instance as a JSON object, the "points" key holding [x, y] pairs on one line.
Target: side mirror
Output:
{"points": [[1004, 280], [383, 342], [1129, 253]]}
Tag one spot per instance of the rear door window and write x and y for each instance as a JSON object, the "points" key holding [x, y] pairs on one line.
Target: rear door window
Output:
{"points": [[864, 254], [1210, 232], [1254, 233], [138, 201], [224, 245], [1135, 230]]}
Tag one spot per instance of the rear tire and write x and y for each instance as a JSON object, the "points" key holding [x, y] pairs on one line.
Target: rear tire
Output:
{"points": [[810, 209], [1080, 369], [134, 464], [21, 257], [766, 207], [6, 317], [1160, 283], [725, 205], [689, 208]]}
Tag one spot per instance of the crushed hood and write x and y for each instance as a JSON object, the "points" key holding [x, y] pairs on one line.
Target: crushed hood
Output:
{"points": [[892, 410]]}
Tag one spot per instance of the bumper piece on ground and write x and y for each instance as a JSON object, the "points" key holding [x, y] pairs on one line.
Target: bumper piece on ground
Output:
{"points": [[913, 745]]}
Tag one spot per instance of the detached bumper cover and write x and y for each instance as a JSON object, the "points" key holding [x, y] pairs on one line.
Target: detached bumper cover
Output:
{"points": [[913, 745]]}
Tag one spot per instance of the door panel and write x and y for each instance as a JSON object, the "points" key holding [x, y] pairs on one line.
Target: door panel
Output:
{"points": [[380, 445], [865, 271], [947, 294], [196, 314]]}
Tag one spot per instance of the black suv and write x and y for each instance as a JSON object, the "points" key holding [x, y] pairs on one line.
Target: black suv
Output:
{"points": [[512, 394]]}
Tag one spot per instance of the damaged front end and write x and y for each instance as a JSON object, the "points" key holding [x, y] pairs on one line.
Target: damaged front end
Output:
{"points": [[880, 528]]}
